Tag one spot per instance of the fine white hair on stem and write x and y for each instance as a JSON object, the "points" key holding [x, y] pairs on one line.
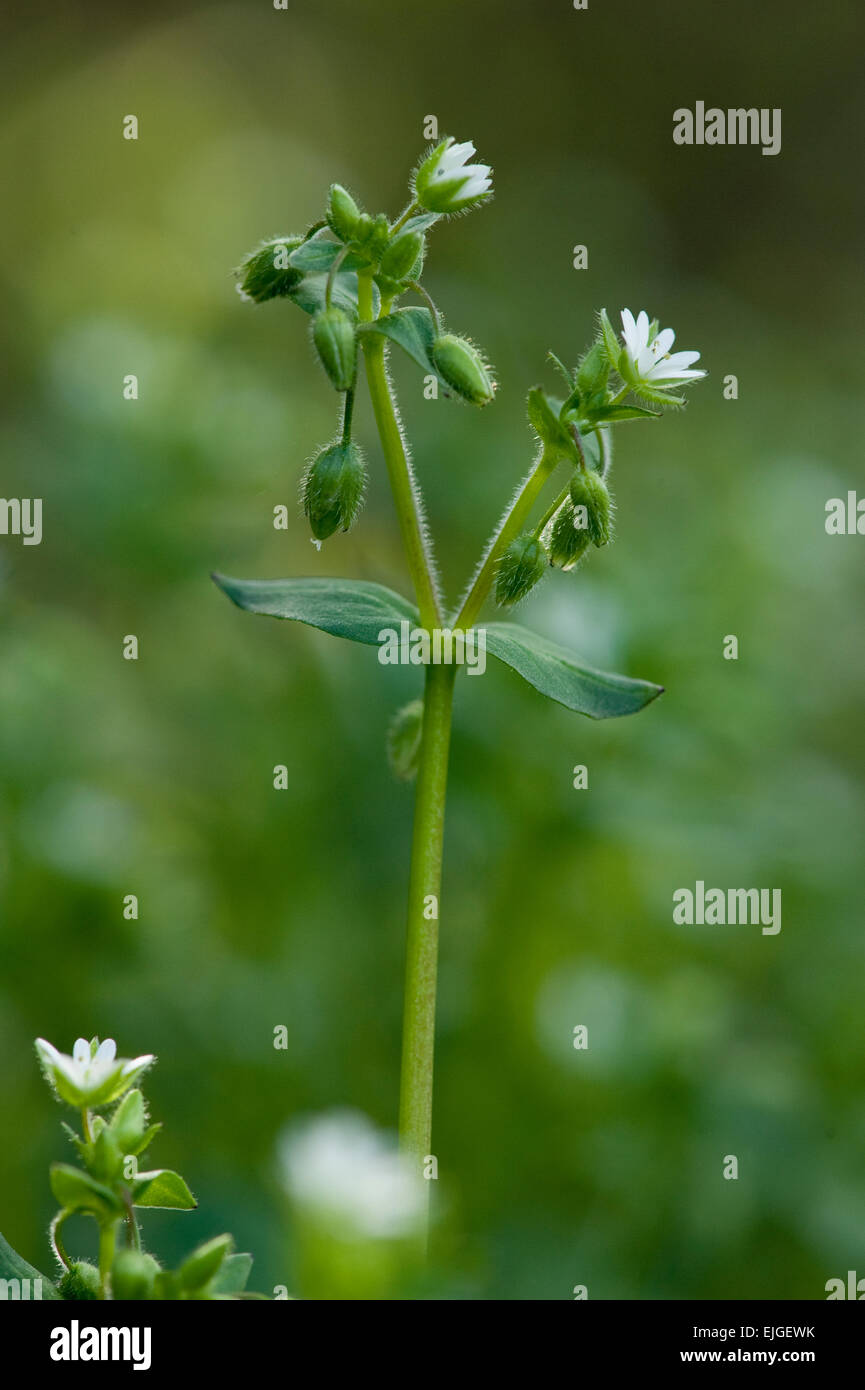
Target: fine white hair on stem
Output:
{"points": [[512, 501], [417, 495]]}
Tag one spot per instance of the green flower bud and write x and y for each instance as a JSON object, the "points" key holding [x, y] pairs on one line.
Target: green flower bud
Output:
{"points": [[343, 213], [334, 336], [519, 570], [567, 541], [463, 368], [592, 505], [380, 235], [81, 1282], [403, 740], [401, 256], [266, 273], [133, 1275], [593, 371], [333, 488]]}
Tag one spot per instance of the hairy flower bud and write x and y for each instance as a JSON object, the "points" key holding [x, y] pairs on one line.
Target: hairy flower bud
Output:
{"points": [[463, 368], [266, 273], [333, 488], [402, 255], [592, 505], [568, 542], [343, 212], [445, 182], [519, 570], [133, 1275], [334, 336]]}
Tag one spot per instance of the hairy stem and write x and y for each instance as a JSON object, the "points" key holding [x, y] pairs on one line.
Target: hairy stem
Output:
{"points": [[416, 1086], [510, 526], [399, 469], [107, 1242]]}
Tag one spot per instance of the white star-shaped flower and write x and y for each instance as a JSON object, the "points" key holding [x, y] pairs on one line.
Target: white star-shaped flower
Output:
{"points": [[445, 182], [93, 1075], [648, 359]]}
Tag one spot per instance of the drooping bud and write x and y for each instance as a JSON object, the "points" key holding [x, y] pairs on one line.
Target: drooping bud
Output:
{"points": [[463, 368], [592, 505], [333, 488], [267, 273], [334, 336], [519, 570], [81, 1282], [402, 255], [343, 212], [568, 542], [403, 740]]}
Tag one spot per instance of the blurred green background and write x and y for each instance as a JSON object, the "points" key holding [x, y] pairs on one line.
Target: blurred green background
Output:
{"points": [[154, 777]]}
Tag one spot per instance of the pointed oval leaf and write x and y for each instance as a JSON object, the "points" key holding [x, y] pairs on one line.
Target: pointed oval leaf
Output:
{"points": [[318, 253], [351, 608], [413, 330], [162, 1188], [557, 674], [311, 293], [77, 1191]]}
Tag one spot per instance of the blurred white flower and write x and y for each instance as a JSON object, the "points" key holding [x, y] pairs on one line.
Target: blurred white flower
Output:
{"points": [[339, 1167], [93, 1075]]}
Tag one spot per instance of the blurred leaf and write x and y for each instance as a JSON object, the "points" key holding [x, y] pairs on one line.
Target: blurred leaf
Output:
{"points": [[233, 1275], [12, 1266], [318, 253], [351, 608], [556, 673], [77, 1191]]}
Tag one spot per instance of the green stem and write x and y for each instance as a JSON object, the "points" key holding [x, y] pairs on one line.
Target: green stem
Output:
{"points": [[416, 1085], [133, 1232], [347, 412], [510, 526], [404, 217], [107, 1242], [332, 273], [54, 1234], [551, 511], [399, 469], [430, 303], [85, 1126]]}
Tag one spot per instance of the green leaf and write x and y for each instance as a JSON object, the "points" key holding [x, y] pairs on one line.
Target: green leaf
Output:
{"points": [[420, 223], [77, 1191], [556, 673], [233, 1275], [544, 412], [162, 1188], [311, 293], [413, 330], [200, 1267], [351, 608], [12, 1266], [318, 253]]}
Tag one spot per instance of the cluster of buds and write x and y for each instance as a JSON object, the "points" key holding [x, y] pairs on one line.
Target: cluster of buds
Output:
{"points": [[320, 273], [575, 429]]}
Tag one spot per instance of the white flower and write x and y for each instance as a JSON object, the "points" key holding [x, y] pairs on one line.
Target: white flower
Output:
{"points": [[446, 183], [649, 359], [341, 1169], [92, 1076]]}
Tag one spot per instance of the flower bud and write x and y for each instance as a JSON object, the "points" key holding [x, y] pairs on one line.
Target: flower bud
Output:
{"points": [[463, 368], [520, 568], [343, 213], [334, 337], [567, 541], [266, 273], [81, 1282], [401, 256], [446, 182], [333, 488], [589, 493], [132, 1275]]}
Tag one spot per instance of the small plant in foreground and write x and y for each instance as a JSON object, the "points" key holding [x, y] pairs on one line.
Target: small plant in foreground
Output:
{"points": [[108, 1185]]}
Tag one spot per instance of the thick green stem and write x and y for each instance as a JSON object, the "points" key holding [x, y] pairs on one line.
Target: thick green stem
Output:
{"points": [[511, 525], [416, 1088], [398, 467]]}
